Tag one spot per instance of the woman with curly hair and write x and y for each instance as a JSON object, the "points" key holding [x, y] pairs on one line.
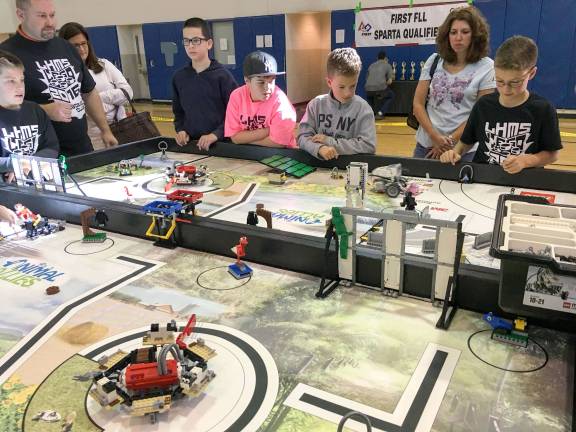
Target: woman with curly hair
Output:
{"points": [[463, 73]]}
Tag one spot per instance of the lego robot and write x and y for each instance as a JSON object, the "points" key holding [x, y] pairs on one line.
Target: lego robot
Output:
{"points": [[389, 180], [146, 382], [183, 175], [34, 224]]}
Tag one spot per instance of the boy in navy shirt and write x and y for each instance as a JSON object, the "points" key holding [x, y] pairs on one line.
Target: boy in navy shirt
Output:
{"points": [[201, 90], [24, 127]]}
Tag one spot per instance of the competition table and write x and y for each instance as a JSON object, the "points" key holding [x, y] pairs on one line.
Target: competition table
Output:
{"points": [[285, 359], [297, 247]]}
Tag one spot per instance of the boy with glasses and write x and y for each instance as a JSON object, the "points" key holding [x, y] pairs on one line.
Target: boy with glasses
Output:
{"points": [[201, 90], [259, 112], [515, 128]]}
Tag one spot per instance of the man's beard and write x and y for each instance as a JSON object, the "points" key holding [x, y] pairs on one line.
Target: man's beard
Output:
{"points": [[47, 33]]}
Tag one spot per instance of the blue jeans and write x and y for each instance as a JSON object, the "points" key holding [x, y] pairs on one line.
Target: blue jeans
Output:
{"points": [[421, 151], [380, 100]]}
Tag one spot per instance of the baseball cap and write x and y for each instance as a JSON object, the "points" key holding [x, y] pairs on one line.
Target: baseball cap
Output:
{"points": [[260, 63]]}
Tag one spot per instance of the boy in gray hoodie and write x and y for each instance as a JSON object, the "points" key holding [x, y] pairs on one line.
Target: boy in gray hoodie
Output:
{"points": [[339, 123]]}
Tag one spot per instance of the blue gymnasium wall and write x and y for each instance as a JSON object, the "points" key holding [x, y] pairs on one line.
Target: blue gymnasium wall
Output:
{"points": [[105, 42], [160, 73], [245, 31], [550, 23]]}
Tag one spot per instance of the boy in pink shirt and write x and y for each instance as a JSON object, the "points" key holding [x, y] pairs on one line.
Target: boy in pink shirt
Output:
{"points": [[259, 112]]}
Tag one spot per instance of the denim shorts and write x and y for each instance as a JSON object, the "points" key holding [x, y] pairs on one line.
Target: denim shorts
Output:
{"points": [[421, 151]]}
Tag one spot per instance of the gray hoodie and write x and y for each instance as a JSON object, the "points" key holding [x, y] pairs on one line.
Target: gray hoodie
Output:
{"points": [[349, 127]]}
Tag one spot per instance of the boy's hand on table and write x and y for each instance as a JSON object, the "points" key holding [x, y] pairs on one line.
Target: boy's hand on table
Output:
{"points": [[182, 138], [206, 141], [450, 156], [8, 215], [327, 152], [514, 164]]}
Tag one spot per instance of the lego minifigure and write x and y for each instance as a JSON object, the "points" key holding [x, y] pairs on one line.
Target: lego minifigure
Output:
{"points": [[101, 218], [252, 218], [163, 146], [409, 202], [240, 270]]}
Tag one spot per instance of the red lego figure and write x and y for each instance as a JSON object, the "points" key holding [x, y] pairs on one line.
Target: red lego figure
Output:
{"points": [[241, 250], [240, 270]]}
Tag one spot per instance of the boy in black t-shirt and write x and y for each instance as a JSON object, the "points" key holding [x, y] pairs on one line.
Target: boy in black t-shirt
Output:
{"points": [[514, 128], [24, 127]]}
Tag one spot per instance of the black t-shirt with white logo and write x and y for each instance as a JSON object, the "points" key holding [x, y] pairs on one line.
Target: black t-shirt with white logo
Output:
{"points": [[26, 131], [500, 131], [55, 71]]}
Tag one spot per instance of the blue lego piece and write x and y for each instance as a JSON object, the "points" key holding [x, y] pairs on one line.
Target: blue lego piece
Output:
{"points": [[162, 208], [497, 322], [240, 271]]}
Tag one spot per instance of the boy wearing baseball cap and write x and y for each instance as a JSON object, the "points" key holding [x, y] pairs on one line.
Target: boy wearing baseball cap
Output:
{"points": [[259, 112]]}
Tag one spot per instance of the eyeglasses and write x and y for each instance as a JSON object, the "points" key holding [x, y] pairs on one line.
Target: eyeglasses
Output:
{"points": [[514, 83], [81, 45], [194, 41]]}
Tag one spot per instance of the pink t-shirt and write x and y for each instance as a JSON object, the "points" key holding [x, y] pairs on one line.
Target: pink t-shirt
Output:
{"points": [[276, 113]]}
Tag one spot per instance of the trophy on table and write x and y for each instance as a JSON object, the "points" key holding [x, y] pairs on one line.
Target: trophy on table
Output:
{"points": [[394, 70], [403, 76], [421, 67], [412, 70]]}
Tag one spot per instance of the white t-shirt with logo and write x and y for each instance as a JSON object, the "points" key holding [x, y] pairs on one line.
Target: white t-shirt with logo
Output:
{"points": [[452, 96]]}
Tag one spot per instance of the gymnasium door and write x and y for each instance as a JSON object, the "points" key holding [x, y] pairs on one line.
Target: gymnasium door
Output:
{"points": [[165, 54]]}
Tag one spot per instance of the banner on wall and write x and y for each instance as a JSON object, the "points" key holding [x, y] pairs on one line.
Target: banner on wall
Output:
{"points": [[417, 25]]}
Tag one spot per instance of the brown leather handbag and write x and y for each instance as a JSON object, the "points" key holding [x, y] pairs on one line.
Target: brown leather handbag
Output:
{"points": [[137, 126]]}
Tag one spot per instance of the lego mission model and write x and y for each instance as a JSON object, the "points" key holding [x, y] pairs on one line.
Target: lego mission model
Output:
{"points": [[147, 380]]}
